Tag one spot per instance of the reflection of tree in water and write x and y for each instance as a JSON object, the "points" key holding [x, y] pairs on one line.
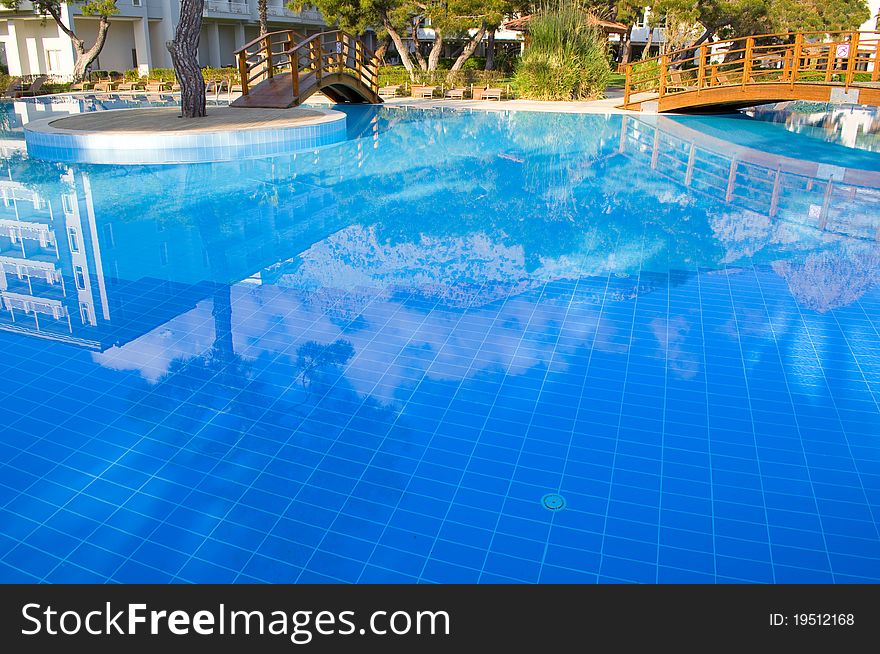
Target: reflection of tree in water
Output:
{"points": [[314, 360], [208, 385], [824, 281]]}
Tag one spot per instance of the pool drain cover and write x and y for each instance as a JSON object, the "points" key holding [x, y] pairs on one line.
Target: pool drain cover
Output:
{"points": [[553, 501]]}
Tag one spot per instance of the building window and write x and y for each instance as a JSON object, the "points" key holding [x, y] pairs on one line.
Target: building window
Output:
{"points": [[135, 3], [73, 238], [80, 276], [53, 61], [85, 312], [68, 200]]}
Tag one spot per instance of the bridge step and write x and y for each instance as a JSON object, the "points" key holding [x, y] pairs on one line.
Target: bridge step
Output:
{"points": [[276, 93]]}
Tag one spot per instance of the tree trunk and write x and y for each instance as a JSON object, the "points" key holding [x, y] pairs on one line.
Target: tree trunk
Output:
{"points": [[398, 44], [690, 53], [84, 57], [417, 45], [382, 49], [467, 52], [490, 50], [626, 51], [223, 349], [263, 13], [184, 51], [647, 51], [436, 50]]}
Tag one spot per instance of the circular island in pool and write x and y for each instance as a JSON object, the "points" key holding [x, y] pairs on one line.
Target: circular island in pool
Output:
{"points": [[161, 136]]}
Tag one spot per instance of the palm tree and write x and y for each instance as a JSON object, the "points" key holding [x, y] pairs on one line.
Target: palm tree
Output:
{"points": [[263, 11]]}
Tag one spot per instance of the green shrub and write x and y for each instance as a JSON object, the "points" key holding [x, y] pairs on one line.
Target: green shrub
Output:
{"points": [[645, 75], [567, 57], [397, 76]]}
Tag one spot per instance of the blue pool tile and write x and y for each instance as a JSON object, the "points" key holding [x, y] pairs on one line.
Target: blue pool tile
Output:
{"points": [[293, 388]]}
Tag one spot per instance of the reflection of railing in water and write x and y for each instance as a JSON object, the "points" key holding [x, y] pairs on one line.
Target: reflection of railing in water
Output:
{"points": [[803, 192]]}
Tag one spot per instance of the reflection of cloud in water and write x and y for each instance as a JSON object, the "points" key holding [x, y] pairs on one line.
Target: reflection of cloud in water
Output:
{"points": [[188, 335], [672, 335], [394, 344], [827, 280]]}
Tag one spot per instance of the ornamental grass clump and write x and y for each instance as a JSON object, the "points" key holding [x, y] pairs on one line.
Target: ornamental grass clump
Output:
{"points": [[566, 57]]}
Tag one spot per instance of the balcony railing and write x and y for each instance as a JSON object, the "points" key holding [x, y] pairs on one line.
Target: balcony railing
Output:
{"points": [[281, 9], [227, 7]]}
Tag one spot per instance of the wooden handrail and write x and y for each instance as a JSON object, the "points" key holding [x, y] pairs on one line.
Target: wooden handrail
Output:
{"points": [[787, 57], [335, 51], [259, 40]]}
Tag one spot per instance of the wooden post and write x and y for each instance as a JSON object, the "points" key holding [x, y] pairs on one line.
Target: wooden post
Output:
{"points": [[626, 89], [317, 55], [375, 64], [875, 72], [664, 63], [359, 59], [341, 51], [794, 71], [267, 50], [832, 55], [701, 76], [851, 60], [747, 62], [243, 71], [293, 56]]}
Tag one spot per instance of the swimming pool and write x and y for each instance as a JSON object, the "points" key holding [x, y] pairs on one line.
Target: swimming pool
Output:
{"points": [[457, 347]]}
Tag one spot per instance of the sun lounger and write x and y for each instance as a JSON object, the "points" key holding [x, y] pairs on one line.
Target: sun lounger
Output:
{"points": [[455, 94], [487, 94], [422, 91], [34, 89], [81, 86], [156, 86], [12, 88], [389, 91], [130, 86], [677, 83]]}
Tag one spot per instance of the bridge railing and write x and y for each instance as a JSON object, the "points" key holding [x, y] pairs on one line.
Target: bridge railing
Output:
{"points": [[322, 54], [847, 58]]}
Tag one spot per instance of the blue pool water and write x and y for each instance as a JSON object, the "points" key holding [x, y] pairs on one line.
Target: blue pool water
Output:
{"points": [[457, 347]]}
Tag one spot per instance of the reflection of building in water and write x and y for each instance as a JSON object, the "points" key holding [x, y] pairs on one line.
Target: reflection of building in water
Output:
{"points": [[47, 254], [849, 125], [52, 270], [76, 265]]}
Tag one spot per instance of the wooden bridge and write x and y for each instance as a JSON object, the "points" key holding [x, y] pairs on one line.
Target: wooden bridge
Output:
{"points": [[282, 69], [838, 67]]}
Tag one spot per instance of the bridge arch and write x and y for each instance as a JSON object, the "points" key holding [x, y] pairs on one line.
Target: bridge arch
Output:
{"points": [[282, 69], [838, 67]]}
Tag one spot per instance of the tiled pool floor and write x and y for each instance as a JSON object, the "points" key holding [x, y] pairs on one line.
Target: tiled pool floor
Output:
{"points": [[319, 383]]}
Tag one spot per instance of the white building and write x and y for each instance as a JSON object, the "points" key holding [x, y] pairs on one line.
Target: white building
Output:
{"points": [[31, 44], [871, 24]]}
